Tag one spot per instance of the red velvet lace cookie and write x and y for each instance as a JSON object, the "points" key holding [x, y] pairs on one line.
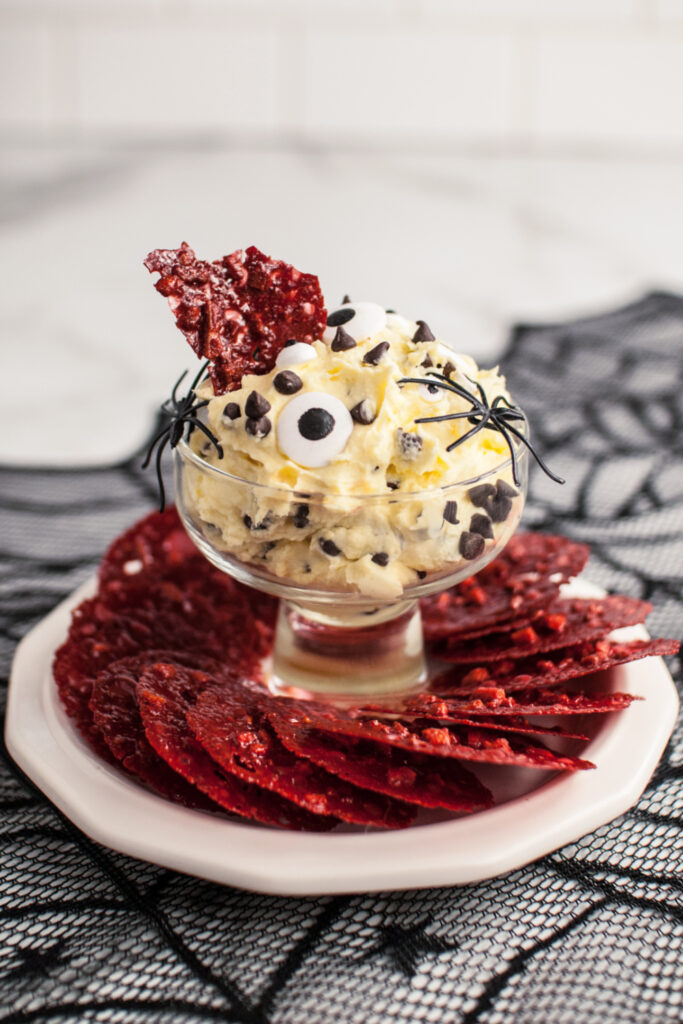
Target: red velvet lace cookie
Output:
{"points": [[165, 695], [161, 674], [564, 624], [550, 669], [229, 720], [524, 579], [238, 312]]}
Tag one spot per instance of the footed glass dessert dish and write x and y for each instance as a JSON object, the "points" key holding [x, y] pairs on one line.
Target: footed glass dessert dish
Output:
{"points": [[349, 569]]}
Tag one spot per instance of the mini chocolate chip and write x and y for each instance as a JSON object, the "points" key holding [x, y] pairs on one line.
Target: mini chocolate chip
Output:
{"points": [[301, 516], [499, 508], [389, 310], [329, 547], [422, 333], [393, 485], [258, 428], [256, 406], [364, 412], [340, 316], [471, 545], [232, 411], [267, 548], [448, 369], [287, 382], [450, 512], [342, 341], [481, 494], [346, 300], [315, 424], [409, 444], [505, 489], [289, 342], [380, 558], [427, 361], [420, 573], [492, 499], [481, 524], [263, 525], [375, 354]]}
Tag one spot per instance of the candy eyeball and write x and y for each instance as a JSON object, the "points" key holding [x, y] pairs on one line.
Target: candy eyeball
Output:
{"points": [[396, 322], [313, 429], [430, 392], [359, 319], [292, 355]]}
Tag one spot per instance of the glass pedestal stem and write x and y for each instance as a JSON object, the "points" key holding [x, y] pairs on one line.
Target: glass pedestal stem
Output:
{"points": [[377, 652]]}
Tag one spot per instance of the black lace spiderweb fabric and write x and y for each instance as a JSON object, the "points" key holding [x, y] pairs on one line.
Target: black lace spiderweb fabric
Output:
{"points": [[591, 934]]}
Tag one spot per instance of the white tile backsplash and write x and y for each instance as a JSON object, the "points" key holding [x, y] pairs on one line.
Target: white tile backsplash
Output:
{"points": [[575, 74], [25, 76], [402, 83], [624, 90], [171, 77], [534, 13]]}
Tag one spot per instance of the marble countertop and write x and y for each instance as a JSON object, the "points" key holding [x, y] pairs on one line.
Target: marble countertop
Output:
{"points": [[473, 244]]}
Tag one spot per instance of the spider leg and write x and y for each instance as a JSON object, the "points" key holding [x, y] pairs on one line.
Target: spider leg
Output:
{"points": [[205, 430], [176, 386], [459, 440], [153, 443], [501, 399], [510, 413], [539, 460], [453, 386], [160, 479], [482, 395], [446, 416], [513, 455], [200, 374]]}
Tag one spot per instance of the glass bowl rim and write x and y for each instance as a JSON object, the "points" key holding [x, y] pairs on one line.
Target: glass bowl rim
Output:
{"points": [[183, 450]]}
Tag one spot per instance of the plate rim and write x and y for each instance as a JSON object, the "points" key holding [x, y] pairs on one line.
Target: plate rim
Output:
{"points": [[124, 816]]}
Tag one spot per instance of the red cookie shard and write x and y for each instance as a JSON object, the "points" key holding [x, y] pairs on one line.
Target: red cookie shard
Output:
{"points": [[525, 577], [422, 737], [490, 700], [238, 311], [385, 769], [551, 669], [165, 694], [563, 624], [115, 713], [231, 725]]}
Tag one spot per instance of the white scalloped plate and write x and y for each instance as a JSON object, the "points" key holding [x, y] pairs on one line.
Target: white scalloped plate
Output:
{"points": [[542, 812]]}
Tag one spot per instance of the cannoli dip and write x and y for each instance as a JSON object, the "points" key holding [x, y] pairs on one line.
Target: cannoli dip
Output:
{"points": [[334, 483]]}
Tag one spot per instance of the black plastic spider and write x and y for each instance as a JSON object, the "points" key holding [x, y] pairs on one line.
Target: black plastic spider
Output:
{"points": [[181, 412], [500, 416]]}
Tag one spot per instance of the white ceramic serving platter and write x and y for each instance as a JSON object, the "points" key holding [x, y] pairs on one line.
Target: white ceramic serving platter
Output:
{"points": [[117, 812]]}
